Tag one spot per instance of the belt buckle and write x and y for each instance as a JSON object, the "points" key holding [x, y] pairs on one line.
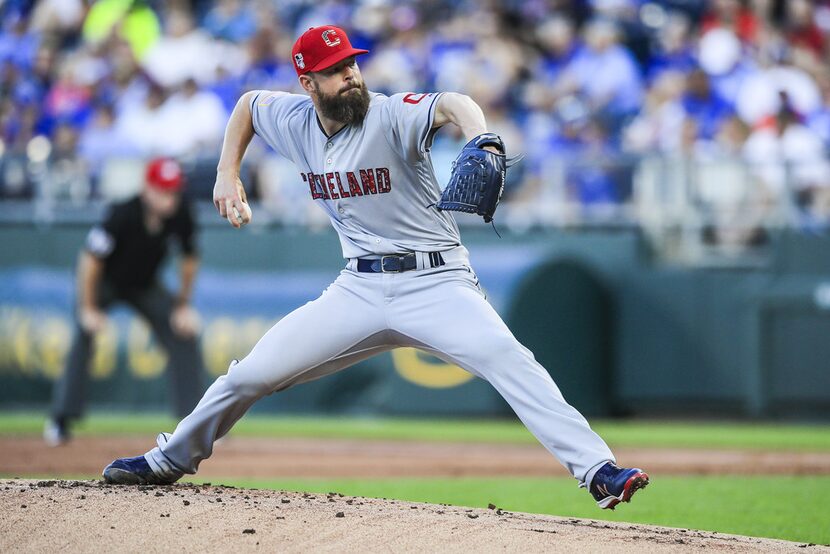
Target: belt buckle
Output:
{"points": [[398, 259]]}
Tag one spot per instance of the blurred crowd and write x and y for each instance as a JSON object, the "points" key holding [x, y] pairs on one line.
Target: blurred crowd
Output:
{"points": [[600, 84]]}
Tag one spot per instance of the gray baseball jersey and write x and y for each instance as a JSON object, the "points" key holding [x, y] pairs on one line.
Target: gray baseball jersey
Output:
{"points": [[375, 180]]}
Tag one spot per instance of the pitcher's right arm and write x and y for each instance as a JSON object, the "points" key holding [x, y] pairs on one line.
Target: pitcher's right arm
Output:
{"points": [[228, 193]]}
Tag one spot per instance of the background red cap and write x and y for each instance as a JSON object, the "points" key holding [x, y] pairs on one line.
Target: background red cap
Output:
{"points": [[322, 47], [165, 174]]}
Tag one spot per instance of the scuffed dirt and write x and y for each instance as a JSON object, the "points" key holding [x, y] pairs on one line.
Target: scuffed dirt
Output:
{"points": [[87, 516]]}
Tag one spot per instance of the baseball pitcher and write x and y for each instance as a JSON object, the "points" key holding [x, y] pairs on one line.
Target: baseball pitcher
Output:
{"points": [[407, 281]]}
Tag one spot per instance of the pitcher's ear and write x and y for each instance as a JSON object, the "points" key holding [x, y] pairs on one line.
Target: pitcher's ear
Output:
{"points": [[307, 82]]}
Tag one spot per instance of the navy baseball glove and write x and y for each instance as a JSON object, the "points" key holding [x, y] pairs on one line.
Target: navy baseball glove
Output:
{"points": [[477, 180]]}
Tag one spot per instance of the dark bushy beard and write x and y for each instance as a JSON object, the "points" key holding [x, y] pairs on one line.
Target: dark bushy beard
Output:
{"points": [[346, 108]]}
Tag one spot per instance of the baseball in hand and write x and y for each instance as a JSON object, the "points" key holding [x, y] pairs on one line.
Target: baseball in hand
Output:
{"points": [[243, 216]]}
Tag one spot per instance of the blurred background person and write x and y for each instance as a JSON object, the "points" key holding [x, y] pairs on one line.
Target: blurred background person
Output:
{"points": [[785, 154], [133, 21], [604, 75], [120, 262]]}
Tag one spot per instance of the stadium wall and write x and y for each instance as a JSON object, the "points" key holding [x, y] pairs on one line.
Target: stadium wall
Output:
{"points": [[620, 333]]}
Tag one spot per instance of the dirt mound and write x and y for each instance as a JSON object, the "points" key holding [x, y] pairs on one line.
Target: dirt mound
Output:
{"points": [[83, 516]]}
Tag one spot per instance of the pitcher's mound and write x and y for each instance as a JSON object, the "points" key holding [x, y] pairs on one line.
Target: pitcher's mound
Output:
{"points": [[82, 516]]}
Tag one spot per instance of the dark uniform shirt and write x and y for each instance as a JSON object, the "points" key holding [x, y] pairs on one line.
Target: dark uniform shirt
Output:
{"points": [[131, 253]]}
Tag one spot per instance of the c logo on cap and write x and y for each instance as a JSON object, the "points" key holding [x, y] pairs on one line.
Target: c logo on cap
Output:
{"points": [[327, 40], [298, 59]]}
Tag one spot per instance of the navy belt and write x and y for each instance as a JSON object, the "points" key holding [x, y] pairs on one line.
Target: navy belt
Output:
{"points": [[397, 263]]}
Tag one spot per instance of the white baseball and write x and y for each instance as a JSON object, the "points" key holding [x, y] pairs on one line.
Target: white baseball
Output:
{"points": [[246, 209]]}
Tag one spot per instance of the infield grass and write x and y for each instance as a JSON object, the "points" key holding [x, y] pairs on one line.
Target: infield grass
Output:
{"points": [[790, 508], [643, 434]]}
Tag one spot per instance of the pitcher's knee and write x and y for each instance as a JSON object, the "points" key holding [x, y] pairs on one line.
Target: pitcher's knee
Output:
{"points": [[506, 349], [505, 356], [245, 381]]}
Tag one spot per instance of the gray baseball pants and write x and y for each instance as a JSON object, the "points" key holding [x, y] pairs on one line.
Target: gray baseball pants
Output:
{"points": [[441, 311]]}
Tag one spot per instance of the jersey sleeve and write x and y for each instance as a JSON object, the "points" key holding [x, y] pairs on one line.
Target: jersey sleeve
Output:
{"points": [[271, 112], [102, 238], [408, 123]]}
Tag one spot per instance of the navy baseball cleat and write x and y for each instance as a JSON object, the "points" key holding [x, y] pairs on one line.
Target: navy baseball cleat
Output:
{"points": [[133, 471], [612, 485]]}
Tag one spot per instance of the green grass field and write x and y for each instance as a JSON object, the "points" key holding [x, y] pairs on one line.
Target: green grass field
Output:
{"points": [[661, 434], [770, 506], [790, 508]]}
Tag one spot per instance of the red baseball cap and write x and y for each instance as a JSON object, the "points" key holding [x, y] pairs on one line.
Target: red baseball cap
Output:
{"points": [[164, 174], [322, 47]]}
